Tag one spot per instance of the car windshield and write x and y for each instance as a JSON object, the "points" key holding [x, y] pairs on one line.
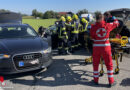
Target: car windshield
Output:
{"points": [[16, 32], [128, 24]]}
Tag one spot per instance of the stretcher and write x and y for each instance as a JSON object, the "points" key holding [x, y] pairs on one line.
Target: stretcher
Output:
{"points": [[117, 53]]}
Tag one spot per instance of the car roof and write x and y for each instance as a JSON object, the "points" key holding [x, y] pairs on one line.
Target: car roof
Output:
{"points": [[11, 25]]}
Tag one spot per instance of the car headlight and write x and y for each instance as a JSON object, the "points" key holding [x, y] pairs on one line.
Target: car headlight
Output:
{"points": [[47, 50], [2, 56]]}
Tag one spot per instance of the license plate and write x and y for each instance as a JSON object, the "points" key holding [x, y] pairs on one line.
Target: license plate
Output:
{"points": [[34, 62], [21, 64]]}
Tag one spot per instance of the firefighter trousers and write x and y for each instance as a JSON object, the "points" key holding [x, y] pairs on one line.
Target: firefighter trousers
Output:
{"points": [[74, 41], [81, 39], [62, 45]]}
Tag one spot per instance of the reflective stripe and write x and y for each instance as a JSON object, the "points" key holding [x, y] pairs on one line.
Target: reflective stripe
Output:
{"points": [[63, 28], [96, 76], [116, 22], [110, 71], [111, 23], [103, 45], [75, 45], [95, 72], [75, 31], [60, 37], [102, 40], [66, 48], [64, 33], [110, 76], [66, 37], [79, 44], [72, 46], [59, 47]]}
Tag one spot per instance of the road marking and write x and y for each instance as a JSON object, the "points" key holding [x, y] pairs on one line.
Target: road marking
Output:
{"points": [[1, 88]]}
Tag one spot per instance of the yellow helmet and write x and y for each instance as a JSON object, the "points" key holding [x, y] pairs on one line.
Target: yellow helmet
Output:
{"points": [[69, 18], [83, 20], [62, 18], [75, 16]]}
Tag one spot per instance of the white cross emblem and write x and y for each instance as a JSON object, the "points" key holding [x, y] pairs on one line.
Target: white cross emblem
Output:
{"points": [[101, 32]]}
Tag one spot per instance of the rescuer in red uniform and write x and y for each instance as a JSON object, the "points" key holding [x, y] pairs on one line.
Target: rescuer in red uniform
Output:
{"points": [[101, 46]]}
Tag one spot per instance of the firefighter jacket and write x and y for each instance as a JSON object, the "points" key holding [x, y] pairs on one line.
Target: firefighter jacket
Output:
{"points": [[68, 26], [84, 26], [75, 27], [62, 30]]}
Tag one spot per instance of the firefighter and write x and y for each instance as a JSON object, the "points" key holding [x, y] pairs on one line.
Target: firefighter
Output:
{"points": [[75, 33], [83, 31], [101, 47], [62, 37], [68, 30]]}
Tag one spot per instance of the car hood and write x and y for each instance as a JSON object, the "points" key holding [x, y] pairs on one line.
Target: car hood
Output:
{"points": [[22, 45]]}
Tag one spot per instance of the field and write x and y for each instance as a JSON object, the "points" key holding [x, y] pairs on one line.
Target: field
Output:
{"points": [[36, 23]]}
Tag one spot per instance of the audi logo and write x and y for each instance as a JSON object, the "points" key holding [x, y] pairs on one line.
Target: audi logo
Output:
{"points": [[28, 57]]}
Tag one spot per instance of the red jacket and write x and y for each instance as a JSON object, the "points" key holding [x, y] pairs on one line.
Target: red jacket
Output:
{"points": [[100, 32]]}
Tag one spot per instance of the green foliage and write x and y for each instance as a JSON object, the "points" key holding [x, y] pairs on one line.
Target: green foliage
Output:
{"points": [[46, 15], [39, 14], [36, 23], [97, 12], [84, 11], [3, 10], [50, 14], [34, 13]]}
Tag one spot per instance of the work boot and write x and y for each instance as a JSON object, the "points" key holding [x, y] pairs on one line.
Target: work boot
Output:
{"points": [[76, 48], [67, 53], [71, 50], [60, 52], [113, 84], [96, 83]]}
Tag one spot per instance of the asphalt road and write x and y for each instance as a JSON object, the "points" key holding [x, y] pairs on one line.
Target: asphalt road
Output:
{"points": [[68, 73]]}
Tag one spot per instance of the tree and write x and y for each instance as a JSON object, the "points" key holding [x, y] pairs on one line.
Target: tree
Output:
{"points": [[3, 10], [97, 12], [39, 14], [84, 11], [57, 15], [50, 14], [47, 15], [34, 13]]}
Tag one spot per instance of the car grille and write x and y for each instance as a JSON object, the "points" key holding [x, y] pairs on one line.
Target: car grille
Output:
{"points": [[26, 61]]}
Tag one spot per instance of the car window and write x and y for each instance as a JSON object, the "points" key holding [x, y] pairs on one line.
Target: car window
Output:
{"points": [[17, 32], [30, 32]]}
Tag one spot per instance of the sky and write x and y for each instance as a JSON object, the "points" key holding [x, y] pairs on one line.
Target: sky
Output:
{"points": [[26, 6]]}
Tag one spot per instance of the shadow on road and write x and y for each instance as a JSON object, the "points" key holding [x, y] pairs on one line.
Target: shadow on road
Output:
{"points": [[81, 52], [60, 74], [125, 82]]}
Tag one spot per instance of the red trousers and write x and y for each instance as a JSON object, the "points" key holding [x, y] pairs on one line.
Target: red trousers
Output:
{"points": [[1, 79], [105, 53]]}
